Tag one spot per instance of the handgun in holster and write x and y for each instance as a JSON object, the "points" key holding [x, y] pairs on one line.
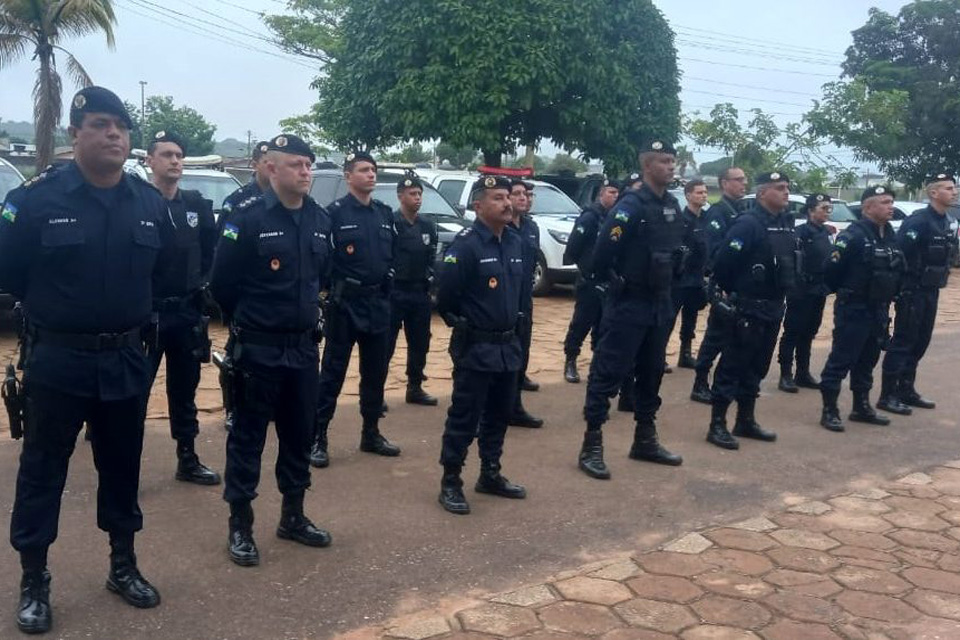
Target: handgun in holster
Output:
{"points": [[227, 378], [460, 338], [201, 339], [15, 402], [150, 334]]}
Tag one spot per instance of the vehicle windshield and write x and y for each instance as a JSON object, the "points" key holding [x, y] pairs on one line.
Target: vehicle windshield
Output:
{"points": [[842, 213], [9, 180], [550, 200], [213, 188], [434, 205]]}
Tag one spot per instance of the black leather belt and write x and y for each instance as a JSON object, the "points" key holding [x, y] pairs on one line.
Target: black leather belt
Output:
{"points": [[90, 341], [494, 337], [175, 303], [411, 285], [272, 338]]}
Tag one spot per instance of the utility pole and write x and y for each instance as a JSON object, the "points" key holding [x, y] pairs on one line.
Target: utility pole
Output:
{"points": [[249, 141], [143, 115]]}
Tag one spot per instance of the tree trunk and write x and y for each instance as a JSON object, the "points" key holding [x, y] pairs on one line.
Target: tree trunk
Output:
{"points": [[47, 107], [492, 158], [529, 159]]}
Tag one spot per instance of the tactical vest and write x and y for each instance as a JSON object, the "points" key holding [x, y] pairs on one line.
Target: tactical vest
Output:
{"points": [[655, 254], [773, 270], [934, 265], [814, 253], [875, 278]]}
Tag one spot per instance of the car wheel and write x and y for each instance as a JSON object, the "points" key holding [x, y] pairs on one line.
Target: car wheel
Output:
{"points": [[542, 283]]}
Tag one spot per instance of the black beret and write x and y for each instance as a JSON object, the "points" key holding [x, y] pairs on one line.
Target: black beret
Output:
{"points": [[490, 182], [659, 146], [613, 184], [815, 199], [771, 177], [941, 176], [526, 185], [877, 190], [359, 156], [631, 180], [286, 143], [169, 136], [409, 181], [97, 100], [259, 149]]}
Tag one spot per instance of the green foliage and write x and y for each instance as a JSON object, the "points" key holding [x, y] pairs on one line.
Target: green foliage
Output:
{"points": [[900, 102], [459, 157], [409, 154], [162, 115], [592, 76], [566, 162], [539, 163]]}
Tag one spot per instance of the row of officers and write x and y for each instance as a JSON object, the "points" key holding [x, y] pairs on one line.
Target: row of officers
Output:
{"points": [[111, 274]]}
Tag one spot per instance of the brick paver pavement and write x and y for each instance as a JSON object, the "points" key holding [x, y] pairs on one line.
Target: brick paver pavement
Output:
{"points": [[882, 563]]}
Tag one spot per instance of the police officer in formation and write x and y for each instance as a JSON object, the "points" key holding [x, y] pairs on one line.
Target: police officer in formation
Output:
{"points": [[625, 400], [720, 217], [78, 246], [521, 200], [189, 235], [591, 287], [267, 277], [410, 303], [259, 182], [640, 246], [864, 269], [357, 306], [689, 289], [480, 298], [805, 304], [925, 242], [756, 267]]}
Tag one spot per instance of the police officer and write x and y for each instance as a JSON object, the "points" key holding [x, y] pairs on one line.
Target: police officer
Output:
{"points": [[925, 242], [757, 267], [78, 245], [588, 307], [358, 306], [258, 183], [733, 184], [864, 269], [640, 245], [189, 236], [480, 296], [521, 201], [410, 304], [267, 277], [689, 290], [805, 304]]}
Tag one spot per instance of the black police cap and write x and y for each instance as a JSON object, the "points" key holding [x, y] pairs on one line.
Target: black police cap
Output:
{"points": [[410, 181], [97, 100], [169, 136], [489, 182], [877, 190], [358, 156], [658, 146], [771, 177], [942, 176], [815, 199], [526, 185], [613, 184], [286, 143], [631, 180], [259, 149]]}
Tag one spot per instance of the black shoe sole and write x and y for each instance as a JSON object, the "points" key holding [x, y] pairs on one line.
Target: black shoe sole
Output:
{"points": [[380, 452], [701, 399], [207, 482], [424, 403], [667, 462], [729, 446], [839, 429], [526, 425], [899, 412], [458, 511], [921, 406], [283, 534], [878, 421], [490, 492], [595, 475], [139, 604], [320, 465], [34, 628], [789, 389], [572, 380], [244, 561], [750, 436]]}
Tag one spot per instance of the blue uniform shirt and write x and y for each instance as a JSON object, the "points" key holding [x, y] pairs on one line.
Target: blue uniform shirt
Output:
{"points": [[415, 249], [247, 191], [362, 238], [81, 259], [924, 239], [719, 219], [481, 281], [530, 235], [583, 239], [268, 271]]}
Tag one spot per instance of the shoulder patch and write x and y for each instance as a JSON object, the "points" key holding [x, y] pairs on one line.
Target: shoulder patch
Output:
{"points": [[37, 179], [249, 202], [715, 224], [736, 244], [615, 233], [841, 243], [9, 212], [912, 234], [450, 258], [231, 231], [621, 215]]}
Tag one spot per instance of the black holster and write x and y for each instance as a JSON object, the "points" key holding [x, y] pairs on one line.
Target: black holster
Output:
{"points": [[15, 402], [201, 339]]}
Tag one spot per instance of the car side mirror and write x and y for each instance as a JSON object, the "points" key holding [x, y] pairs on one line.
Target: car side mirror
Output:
{"points": [[462, 210]]}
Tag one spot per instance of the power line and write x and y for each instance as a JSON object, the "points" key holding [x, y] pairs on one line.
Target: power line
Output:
{"points": [[753, 86], [742, 38], [723, 95], [746, 66], [760, 52]]}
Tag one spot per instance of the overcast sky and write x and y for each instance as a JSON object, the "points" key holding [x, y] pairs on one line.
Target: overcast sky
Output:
{"points": [[753, 53]]}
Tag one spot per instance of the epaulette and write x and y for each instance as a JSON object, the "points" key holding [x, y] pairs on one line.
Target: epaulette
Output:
{"points": [[464, 232], [336, 204], [40, 177], [246, 204]]}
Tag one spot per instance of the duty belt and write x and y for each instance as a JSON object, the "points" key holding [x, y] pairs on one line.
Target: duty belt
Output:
{"points": [[272, 338], [90, 341], [494, 337], [411, 285], [175, 303], [350, 288]]}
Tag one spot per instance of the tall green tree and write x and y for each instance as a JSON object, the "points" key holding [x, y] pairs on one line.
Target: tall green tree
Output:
{"points": [[163, 115], [459, 157], [592, 76], [898, 102], [566, 162], [36, 28]]}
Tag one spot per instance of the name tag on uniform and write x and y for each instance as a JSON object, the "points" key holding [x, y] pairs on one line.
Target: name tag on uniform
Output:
{"points": [[486, 260], [670, 214], [271, 234]]}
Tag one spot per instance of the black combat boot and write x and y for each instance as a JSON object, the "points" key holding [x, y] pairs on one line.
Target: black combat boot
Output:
{"points": [[189, 467], [804, 378], [243, 549], [746, 426], [863, 412], [297, 527], [125, 579], [666, 367], [627, 400], [591, 455], [384, 409], [910, 397], [570, 373], [889, 397], [492, 482], [787, 383], [717, 433], [33, 613], [526, 384], [701, 388], [830, 417], [520, 417], [686, 359], [646, 446], [451, 492], [371, 441], [318, 452], [416, 395]]}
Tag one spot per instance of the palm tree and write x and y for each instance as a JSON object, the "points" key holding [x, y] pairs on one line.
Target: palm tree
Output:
{"points": [[37, 27]]}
